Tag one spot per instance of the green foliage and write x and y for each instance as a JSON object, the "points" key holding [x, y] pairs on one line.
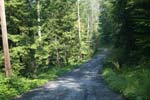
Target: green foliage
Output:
{"points": [[35, 60], [132, 83], [125, 25], [14, 86], [59, 44]]}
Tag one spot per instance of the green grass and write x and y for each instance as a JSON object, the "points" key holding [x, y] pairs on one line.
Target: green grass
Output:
{"points": [[132, 83], [12, 87]]}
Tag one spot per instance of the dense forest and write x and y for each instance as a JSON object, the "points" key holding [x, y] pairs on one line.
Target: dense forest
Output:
{"points": [[50, 37], [125, 26], [46, 38], [45, 33]]}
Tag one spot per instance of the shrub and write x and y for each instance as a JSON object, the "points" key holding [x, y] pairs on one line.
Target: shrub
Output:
{"points": [[133, 84]]}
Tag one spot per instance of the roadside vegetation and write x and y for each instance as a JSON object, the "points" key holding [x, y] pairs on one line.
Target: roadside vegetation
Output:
{"points": [[15, 86], [125, 26], [133, 83]]}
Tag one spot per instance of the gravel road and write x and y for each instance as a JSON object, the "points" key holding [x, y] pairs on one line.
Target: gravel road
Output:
{"points": [[83, 83]]}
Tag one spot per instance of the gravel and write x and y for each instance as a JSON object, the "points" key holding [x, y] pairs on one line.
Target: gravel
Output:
{"points": [[83, 83]]}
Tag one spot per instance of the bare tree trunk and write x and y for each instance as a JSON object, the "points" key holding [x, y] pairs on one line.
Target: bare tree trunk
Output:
{"points": [[39, 20], [79, 22], [79, 28], [88, 28], [58, 58], [92, 20], [5, 39]]}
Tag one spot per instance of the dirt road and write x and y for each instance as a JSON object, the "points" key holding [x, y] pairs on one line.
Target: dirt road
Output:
{"points": [[83, 83]]}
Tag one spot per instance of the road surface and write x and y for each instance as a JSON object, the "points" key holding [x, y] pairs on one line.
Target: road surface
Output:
{"points": [[83, 83]]}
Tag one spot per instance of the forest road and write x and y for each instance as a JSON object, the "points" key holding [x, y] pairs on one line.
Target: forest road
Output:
{"points": [[83, 83]]}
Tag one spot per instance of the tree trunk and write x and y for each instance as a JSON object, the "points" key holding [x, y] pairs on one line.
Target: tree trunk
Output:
{"points": [[79, 23], [39, 20], [88, 29], [5, 39]]}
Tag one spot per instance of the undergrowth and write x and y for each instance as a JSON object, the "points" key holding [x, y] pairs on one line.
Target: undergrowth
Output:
{"points": [[14, 86], [132, 83]]}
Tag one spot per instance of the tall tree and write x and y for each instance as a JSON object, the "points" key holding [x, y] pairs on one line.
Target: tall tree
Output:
{"points": [[39, 19], [5, 39], [79, 21]]}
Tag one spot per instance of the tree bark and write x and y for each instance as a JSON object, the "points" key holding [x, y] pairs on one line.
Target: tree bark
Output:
{"points": [[79, 22], [5, 39], [88, 28], [39, 20]]}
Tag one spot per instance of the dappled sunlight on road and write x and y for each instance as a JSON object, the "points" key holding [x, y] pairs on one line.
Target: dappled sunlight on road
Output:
{"points": [[83, 83]]}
